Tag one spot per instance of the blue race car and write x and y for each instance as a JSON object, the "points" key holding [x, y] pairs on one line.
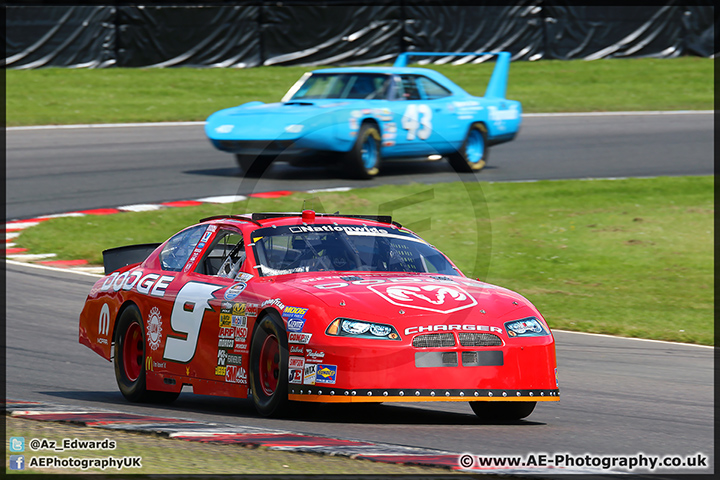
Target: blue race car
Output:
{"points": [[363, 115]]}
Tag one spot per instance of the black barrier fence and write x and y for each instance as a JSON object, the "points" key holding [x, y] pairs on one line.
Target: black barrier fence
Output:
{"points": [[297, 33]]}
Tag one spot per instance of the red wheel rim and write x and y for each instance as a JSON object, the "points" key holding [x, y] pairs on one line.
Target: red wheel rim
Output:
{"points": [[133, 352], [269, 364]]}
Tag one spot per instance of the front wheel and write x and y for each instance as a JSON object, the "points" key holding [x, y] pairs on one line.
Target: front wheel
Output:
{"points": [[363, 160], [269, 367], [129, 356], [254, 165], [473, 154], [502, 411]]}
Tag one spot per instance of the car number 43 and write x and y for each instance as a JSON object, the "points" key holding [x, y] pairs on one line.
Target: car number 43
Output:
{"points": [[417, 120]]}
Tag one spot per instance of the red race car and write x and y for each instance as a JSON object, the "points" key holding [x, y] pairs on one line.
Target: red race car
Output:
{"points": [[283, 307]]}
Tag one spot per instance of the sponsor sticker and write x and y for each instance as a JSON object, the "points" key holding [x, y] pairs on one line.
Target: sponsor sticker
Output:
{"points": [[235, 374], [234, 359], [221, 357], [296, 362], [154, 328], [294, 312], [239, 321], [244, 277], [226, 332], [295, 376], [273, 301], [191, 261], [326, 373], [299, 337], [251, 310], [104, 320], [226, 342], [241, 333], [240, 346], [220, 370], [310, 374], [314, 356], [239, 308], [225, 320], [234, 291], [151, 365], [295, 325], [297, 350]]}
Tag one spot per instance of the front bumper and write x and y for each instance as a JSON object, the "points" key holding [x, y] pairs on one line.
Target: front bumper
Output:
{"points": [[368, 372]]}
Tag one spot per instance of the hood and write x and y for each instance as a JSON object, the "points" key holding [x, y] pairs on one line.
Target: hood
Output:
{"points": [[409, 301], [272, 120]]}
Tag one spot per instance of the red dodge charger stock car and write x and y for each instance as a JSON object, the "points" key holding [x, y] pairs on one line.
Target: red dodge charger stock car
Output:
{"points": [[312, 307]]}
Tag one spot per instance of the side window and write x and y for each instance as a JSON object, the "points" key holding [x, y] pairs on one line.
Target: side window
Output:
{"points": [[409, 89], [178, 249], [432, 89], [225, 257]]}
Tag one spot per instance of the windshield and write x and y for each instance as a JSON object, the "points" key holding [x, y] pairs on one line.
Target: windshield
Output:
{"points": [[347, 85], [318, 248]]}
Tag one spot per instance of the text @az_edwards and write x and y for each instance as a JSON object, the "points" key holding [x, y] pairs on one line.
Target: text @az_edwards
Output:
{"points": [[19, 462]]}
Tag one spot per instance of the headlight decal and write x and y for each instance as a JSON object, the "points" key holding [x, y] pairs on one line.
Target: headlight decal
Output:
{"points": [[348, 327], [526, 327]]}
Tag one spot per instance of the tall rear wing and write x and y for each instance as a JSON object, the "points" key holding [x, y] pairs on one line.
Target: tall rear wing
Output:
{"points": [[497, 86]]}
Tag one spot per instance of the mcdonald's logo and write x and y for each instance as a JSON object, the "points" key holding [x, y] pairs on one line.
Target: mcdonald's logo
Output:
{"points": [[148, 364], [104, 321]]}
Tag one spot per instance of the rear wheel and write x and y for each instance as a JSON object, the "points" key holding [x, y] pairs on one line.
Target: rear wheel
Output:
{"points": [[473, 154], [269, 367], [502, 410], [254, 165], [129, 356], [364, 158]]}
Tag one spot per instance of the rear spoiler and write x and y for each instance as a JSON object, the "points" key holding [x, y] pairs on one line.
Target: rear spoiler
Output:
{"points": [[497, 86], [114, 258]]}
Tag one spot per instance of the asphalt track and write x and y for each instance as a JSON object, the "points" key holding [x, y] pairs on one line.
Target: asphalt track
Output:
{"points": [[61, 170], [618, 396]]}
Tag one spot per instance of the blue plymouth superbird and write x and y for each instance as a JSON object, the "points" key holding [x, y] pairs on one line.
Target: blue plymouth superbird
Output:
{"points": [[361, 116]]}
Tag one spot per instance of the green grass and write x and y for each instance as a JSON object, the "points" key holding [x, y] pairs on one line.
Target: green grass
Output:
{"points": [[162, 455], [78, 96], [629, 257]]}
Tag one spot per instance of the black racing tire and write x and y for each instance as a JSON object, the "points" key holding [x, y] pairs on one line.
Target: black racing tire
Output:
{"points": [[473, 153], [363, 160], [502, 411], [254, 165], [269, 366], [129, 360]]}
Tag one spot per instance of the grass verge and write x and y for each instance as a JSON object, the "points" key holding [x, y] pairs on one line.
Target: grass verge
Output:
{"points": [[163, 455], [631, 257], [115, 95]]}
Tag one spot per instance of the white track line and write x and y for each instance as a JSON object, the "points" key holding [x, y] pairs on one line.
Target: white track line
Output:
{"points": [[53, 269], [632, 338], [105, 125], [619, 114], [186, 124]]}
